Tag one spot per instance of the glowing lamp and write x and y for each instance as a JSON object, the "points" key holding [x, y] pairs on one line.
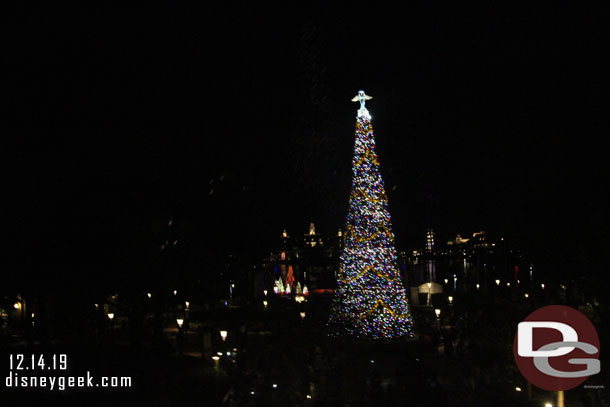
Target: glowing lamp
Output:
{"points": [[223, 335]]}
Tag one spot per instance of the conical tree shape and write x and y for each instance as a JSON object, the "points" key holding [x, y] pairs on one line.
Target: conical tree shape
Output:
{"points": [[290, 277], [370, 300]]}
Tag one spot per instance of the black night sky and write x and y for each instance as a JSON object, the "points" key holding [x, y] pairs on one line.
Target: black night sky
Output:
{"points": [[237, 123]]}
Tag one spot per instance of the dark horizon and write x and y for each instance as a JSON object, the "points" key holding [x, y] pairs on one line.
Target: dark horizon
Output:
{"points": [[241, 126]]}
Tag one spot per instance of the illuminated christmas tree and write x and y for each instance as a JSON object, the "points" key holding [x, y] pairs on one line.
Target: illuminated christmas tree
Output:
{"points": [[279, 286], [370, 300], [290, 277]]}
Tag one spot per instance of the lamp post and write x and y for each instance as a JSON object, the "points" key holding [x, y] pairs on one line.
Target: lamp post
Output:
{"points": [[111, 318], [450, 298], [19, 311], [223, 335], [498, 282], [180, 322], [265, 303], [437, 311], [302, 314], [560, 399]]}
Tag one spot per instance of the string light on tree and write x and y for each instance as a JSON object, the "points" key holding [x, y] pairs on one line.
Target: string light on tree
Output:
{"points": [[370, 300]]}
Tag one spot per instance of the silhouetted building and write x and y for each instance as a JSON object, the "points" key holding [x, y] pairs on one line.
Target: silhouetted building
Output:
{"points": [[311, 261]]}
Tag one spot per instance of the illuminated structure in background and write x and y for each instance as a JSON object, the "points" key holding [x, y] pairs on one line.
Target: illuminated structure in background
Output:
{"points": [[430, 240], [370, 299], [429, 255]]}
